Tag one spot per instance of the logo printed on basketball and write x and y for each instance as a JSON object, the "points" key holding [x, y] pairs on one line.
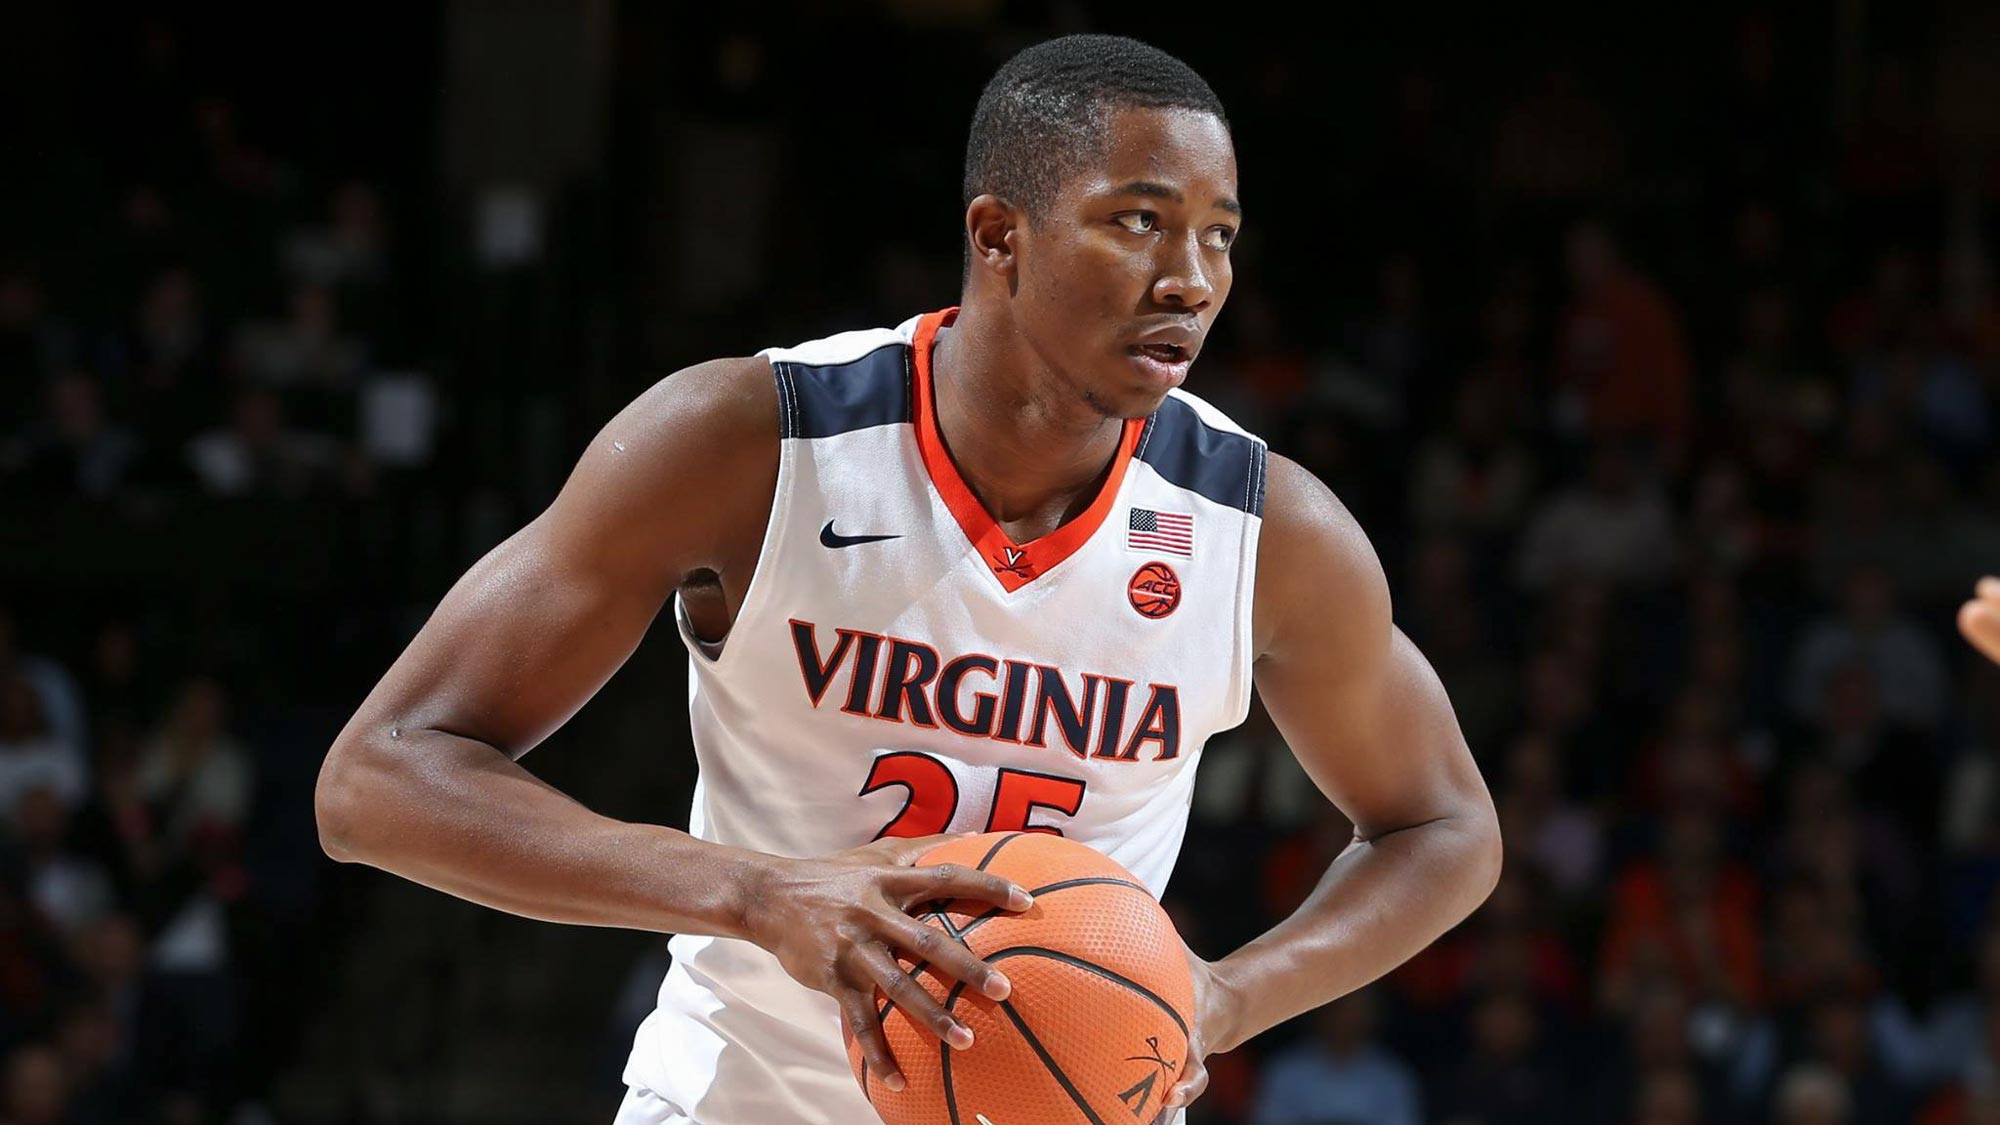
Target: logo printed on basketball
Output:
{"points": [[1140, 1092], [1155, 590]]}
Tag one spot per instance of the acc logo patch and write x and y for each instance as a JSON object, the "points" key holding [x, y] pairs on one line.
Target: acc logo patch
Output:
{"points": [[1155, 590]]}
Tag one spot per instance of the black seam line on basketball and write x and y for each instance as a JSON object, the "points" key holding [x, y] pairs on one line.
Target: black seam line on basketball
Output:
{"points": [[995, 849], [944, 1058], [1107, 974], [1095, 880], [944, 920], [1049, 1063]]}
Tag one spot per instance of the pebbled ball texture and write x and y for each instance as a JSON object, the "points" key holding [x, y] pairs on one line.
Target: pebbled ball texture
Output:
{"points": [[1102, 998]]}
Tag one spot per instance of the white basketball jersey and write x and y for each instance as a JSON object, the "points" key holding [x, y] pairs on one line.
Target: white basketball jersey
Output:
{"points": [[900, 666]]}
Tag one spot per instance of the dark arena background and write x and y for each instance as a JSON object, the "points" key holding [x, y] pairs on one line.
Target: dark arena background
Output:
{"points": [[1656, 348]]}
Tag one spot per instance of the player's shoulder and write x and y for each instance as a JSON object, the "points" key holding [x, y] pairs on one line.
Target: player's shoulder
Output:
{"points": [[721, 406], [842, 348], [1311, 551], [848, 381], [1198, 448], [758, 398]]}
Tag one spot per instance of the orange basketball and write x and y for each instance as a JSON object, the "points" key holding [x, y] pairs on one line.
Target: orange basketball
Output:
{"points": [[1096, 1026]]}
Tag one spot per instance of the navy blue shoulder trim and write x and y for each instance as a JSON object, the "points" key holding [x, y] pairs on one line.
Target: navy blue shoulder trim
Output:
{"points": [[1226, 467], [816, 401]]}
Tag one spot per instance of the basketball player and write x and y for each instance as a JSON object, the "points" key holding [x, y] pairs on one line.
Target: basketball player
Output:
{"points": [[987, 569], [1979, 619]]}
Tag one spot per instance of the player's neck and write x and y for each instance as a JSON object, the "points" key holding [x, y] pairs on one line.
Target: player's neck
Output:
{"points": [[1027, 450]]}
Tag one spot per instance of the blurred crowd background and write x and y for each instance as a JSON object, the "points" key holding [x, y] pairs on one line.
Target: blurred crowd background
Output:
{"points": [[1659, 354]]}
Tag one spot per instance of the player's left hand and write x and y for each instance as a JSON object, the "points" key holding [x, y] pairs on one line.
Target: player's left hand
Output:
{"points": [[1211, 1014], [1979, 619]]}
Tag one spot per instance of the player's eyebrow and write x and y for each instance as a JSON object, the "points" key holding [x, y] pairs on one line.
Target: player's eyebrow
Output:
{"points": [[1154, 190]]}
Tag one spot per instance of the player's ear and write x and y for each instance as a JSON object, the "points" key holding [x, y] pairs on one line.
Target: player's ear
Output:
{"points": [[990, 224]]}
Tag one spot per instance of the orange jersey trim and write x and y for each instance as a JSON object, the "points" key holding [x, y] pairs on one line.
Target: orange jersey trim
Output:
{"points": [[1014, 564]]}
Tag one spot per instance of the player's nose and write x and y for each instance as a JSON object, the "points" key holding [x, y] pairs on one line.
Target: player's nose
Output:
{"points": [[1182, 280]]}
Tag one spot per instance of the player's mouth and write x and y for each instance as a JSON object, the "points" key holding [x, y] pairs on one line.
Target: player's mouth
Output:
{"points": [[1164, 364]]}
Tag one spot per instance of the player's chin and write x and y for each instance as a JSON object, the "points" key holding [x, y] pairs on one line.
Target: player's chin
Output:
{"points": [[1126, 402]]}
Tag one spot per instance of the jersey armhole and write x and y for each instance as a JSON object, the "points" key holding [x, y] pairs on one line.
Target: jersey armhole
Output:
{"points": [[715, 654]]}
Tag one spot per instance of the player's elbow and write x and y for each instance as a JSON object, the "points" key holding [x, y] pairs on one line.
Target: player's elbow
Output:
{"points": [[340, 800], [1489, 850]]}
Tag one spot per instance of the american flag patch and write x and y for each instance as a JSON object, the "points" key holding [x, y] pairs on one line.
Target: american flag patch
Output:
{"points": [[1170, 532]]}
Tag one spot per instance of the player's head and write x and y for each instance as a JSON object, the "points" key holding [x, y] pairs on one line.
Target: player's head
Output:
{"points": [[1100, 192]]}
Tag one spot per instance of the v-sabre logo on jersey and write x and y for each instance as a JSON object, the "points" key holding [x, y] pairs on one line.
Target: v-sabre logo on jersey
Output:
{"points": [[903, 680]]}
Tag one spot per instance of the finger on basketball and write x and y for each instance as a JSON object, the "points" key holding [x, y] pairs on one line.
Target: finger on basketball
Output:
{"points": [[903, 991], [944, 881], [1189, 1090], [859, 1012], [947, 957]]}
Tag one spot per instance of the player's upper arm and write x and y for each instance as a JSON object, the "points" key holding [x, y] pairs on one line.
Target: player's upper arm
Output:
{"points": [[1358, 704], [679, 481]]}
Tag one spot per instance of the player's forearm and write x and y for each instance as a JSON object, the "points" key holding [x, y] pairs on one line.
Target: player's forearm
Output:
{"points": [[457, 815], [1379, 903]]}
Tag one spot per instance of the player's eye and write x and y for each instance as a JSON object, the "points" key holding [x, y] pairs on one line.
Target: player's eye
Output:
{"points": [[1220, 238], [1139, 222]]}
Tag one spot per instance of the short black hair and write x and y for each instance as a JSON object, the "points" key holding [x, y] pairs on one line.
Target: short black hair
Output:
{"points": [[1042, 116]]}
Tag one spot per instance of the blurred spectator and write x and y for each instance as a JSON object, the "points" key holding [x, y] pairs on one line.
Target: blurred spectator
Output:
{"points": [[1513, 943], [1898, 660], [1624, 370], [1382, 353], [1813, 1094], [1931, 390], [1476, 479], [1767, 384], [1340, 1074], [1651, 1072], [1668, 1097], [172, 389], [37, 1090], [74, 450], [1251, 774], [68, 889], [26, 347], [351, 250], [1446, 616], [1688, 914], [1615, 527], [1556, 143], [31, 758], [306, 349], [61, 704], [88, 1039], [1507, 1078], [258, 456], [1956, 1042], [194, 773], [1561, 838]]}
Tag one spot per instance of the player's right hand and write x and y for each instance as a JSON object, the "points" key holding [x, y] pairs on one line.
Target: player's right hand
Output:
{"points": [[837, 923]]}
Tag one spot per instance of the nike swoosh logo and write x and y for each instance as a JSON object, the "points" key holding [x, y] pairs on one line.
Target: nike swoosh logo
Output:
{"points": [[828, 539]]}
